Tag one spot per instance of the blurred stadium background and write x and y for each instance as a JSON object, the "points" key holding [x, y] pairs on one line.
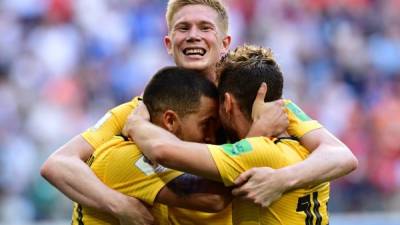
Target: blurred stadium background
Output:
{"points": [[63, 63]]}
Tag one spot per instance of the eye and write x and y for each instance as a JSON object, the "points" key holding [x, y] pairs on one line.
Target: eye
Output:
{"points": [[182, 28], [206, 28]]}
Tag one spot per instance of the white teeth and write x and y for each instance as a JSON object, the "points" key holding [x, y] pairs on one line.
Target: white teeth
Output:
{"points": [[194, 51]]}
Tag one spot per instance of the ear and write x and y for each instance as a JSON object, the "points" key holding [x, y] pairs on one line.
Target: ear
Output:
{"points": [[228, 104], [168, 44], [171, 121], [226, 43]]}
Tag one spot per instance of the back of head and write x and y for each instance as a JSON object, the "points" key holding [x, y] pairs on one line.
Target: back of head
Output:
{"points": [[242, 71], [177, 89], [175, 5]]}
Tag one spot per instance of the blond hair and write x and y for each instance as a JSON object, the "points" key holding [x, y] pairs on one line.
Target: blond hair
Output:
{"points": [[246, 55], [175, 5]]}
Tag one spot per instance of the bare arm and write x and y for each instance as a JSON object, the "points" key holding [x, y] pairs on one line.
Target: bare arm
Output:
{"points": [[162, 147], [329, 159], [66, 170], [193, 192]]}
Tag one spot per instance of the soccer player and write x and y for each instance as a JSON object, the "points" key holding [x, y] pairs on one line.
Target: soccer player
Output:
{"points": [[251, 66], [186, 104], [197, 37]]}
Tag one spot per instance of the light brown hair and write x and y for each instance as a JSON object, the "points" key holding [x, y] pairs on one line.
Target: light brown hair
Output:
{"points": [[175, 5], [241, 72]]}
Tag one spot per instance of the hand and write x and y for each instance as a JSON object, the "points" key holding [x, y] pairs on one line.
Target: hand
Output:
{"points": [[133, 212], [141, 110], [270, 118], [139, 113], [261, 185]]}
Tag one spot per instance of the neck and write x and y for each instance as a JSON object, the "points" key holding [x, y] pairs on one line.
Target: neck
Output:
{"points": [[210, 74], [242, 126]]}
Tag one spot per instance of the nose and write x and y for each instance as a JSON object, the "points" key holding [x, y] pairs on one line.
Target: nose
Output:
{"points": [[194, 34]]}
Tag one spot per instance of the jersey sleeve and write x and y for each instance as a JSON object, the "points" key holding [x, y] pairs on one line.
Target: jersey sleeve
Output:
{"points": [[234, 159], [299, 122], [110, 124], [128, 172]]}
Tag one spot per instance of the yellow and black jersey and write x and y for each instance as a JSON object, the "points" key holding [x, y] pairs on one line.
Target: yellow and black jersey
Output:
{"points": [[179, 216], [299, 122], [122, 167], [110, 125], [301, 206], [113, 121]]}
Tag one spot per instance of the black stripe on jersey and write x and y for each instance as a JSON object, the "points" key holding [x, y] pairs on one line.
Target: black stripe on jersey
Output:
{"points": [[285, 138], [318, 216], [90, 160], [125, 138], [80, 214]]}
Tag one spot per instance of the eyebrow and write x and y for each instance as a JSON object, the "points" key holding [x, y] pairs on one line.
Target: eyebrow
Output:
{"points": [[181, 23], [203, 22]]}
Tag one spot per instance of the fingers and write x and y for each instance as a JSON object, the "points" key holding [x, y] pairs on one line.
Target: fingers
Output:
{"points": [[259, 101], [241, 181], [125, 132], [280, 103], [242, 178], [142, 111]]}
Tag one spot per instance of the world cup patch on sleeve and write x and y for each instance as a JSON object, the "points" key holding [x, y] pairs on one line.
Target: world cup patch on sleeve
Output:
{"points": [[298, 112], [238, 148], [144, 165]]}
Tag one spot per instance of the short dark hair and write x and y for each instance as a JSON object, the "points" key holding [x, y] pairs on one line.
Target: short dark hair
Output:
{"points": [[242, 71], [177, 89]]}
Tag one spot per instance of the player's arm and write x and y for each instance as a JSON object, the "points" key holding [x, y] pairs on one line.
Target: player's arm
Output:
{"points": [[162, 147], [197, 193], [329, 159], [67, 171]]}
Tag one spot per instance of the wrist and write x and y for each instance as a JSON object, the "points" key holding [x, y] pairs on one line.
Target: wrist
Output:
{"points": [[115, 205], [258, 128], [290, 180], [132, 122]]}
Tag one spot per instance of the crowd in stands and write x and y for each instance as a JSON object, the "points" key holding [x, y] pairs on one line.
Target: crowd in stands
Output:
{"points": [[64, 63]]}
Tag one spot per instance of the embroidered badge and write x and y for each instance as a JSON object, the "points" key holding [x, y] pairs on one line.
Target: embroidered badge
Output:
{"points": [[238, 148], [298, 112]]}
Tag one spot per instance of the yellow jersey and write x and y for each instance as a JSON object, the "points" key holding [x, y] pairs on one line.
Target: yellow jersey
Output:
{"points": [[110, 125], [299, 122], [180, 216], [113, 121], [122, 167], [301, 206]]}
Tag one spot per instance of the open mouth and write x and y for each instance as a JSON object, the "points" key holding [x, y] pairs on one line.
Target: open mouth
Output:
{"points": [[194, 51]]}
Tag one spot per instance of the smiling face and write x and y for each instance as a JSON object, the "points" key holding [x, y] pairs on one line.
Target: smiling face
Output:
{"points": [[196, 40]]}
